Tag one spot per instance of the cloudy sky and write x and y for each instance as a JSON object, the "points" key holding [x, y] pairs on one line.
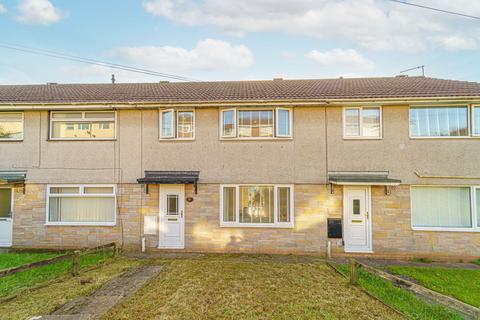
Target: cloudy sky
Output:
{"points": [[238, 39]]}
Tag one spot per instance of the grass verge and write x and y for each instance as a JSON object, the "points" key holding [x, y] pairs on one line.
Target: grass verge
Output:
{"points": [[47, 299], [15, 283], [249, 287], [462, 284], [399, 299], [10, 260]]}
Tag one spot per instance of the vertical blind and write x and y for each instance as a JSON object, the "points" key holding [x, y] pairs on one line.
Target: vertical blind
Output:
{"points": [[441, 207], [439, 122]]}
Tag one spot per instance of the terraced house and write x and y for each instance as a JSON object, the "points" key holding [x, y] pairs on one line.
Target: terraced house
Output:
{"points": [[374, 166]]}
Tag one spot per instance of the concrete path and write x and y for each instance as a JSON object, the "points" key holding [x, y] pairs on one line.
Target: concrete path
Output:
{"points": [[105, 298]]}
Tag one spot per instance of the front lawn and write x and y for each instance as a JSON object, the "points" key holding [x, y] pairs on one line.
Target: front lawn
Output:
{"points": [[462, 284], [400, 299], [249, 287], [45, 300], [14, 283], [10, 260]]}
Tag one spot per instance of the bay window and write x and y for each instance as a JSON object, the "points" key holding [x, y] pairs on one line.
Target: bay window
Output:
{"points": [[82, 125], [177, 124], [256, 123], [81, 205], [256, 205], [445, 207], [11, 126], [362, 122]]}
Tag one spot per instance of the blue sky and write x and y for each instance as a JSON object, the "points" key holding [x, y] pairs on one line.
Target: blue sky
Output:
{"points": [[230, 40]]}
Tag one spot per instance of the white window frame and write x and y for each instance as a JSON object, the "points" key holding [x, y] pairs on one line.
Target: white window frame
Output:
{"points": [[473, 210], [275, 224], [472, 116], [83, 120], [290, 122], [361, 136], [234, 133], [275, 136], [23, 126], [469, 122], [174, 135], [81, 194]]}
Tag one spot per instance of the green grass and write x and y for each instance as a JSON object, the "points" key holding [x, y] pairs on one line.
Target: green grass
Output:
{"points": [[462, 284], [400, 299], [23, 280], [10, 260], [45, 300], [248, 287]]}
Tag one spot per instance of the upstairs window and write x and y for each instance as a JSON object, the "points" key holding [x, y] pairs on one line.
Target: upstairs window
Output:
{"points": [[476, 121], [362, 122], [11, 126], [256, 124], [82, 125], [256, 205], [177, 124], [439, 121]]}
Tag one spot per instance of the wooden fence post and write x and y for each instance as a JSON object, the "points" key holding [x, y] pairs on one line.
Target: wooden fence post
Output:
{"points": [[75, 263], [353, 271], [115, 250]]}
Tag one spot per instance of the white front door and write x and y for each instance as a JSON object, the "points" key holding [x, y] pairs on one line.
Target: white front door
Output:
{"points": [[6, 223], [172, 226], [357, 219]]}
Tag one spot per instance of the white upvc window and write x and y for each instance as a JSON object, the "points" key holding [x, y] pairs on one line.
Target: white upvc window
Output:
{"points": [[83, 125], [439, 122], [253, 205], [255, 123], [476, 121], [362, 123], [177, 124], [81, 205], [445, 208], [11, 126]]}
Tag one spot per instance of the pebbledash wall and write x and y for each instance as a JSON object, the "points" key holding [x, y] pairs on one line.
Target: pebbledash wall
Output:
{"points": [[391, 228]]}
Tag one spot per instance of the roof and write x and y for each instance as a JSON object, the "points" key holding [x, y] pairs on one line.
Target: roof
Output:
{"points": [[170, 177], [365, 178], [268, 90]]}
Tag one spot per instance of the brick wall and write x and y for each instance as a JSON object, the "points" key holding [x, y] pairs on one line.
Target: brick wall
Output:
{"points": [[29, 229], [392, 234]]}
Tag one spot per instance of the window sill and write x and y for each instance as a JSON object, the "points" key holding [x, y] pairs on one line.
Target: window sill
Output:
{"points": [[362, 138], [80, 224], [175, 139], [439, 229], [446, 138], [11, 140], [257, 225], [65, 139], [258, 139]]}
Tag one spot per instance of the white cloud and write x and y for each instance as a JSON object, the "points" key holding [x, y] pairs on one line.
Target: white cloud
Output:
{"points": [[208, 54], [373, 24], [41, 12], [348, 59], [2, 9], [211, 55], [456, 42]]}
